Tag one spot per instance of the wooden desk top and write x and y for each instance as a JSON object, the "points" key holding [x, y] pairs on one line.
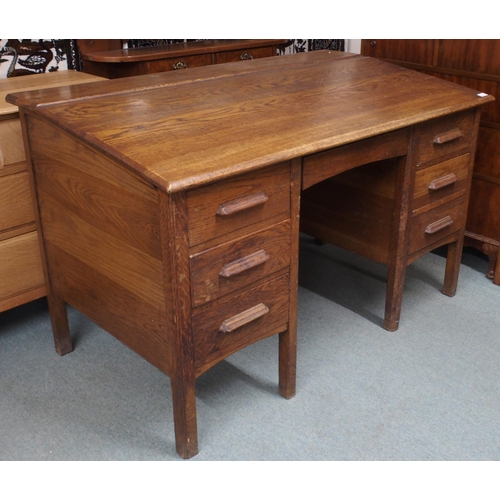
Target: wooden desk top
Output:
{"points": [[184, 130]]}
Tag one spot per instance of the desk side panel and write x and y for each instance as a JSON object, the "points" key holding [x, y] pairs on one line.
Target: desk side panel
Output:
{"points": [[100, 232]]}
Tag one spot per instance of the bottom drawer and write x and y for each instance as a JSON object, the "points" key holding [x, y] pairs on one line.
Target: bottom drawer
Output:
{"points": [[253, 315], [436, 224], [20, 265]]}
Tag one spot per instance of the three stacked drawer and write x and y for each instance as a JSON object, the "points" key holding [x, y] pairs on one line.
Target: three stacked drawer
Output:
{"points": [[439, 205], [239, 240]]}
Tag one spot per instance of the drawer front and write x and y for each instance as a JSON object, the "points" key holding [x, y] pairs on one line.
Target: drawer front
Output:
{"points": [[321, 166], [161, 65], [16, 206], [248, 200], [441, 180], [244, 55], [230, 266], [443, 136], [20, 264], [11, 142], [436, 224], [242, 320]]}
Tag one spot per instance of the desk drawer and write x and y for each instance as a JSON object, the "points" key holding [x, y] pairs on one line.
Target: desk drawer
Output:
{"points": [[436, 224], [440, 180], [230, 266], [242, 320], [16, 206], [244, 55], [11, 142], [444, 136], [20, 264], [256, 199]]}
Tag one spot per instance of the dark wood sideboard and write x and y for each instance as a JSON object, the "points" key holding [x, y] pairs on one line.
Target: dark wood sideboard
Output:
{"points": [[474, 64], [108, 58]]}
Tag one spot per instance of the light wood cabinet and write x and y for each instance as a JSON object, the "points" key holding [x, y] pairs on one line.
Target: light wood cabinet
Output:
{"points": [[474, 64], [21, 275]]}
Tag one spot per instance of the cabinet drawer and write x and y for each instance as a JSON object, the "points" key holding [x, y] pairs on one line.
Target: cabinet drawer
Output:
{"points": [[228, 267], [443, 136], [248, 200], [11, 142], [243, 55], [440, 180], [242, 320], [161, 65], [436, 224], [20, 264], [16, 205]]}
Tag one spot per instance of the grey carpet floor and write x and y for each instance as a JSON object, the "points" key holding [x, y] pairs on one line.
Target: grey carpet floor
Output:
{"points": [[430, 391]]}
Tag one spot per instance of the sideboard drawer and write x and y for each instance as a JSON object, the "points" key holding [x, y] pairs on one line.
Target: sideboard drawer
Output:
{"points": [[161, 65], [258, 199], [440, 180], [436, 224], [243, 55], [20, 264], [242, 320], [16, 205], [11, 142], [225, 268], [444, 136]]}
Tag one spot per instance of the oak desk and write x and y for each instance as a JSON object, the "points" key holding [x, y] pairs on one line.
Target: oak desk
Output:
{"points": [[169, 212]]}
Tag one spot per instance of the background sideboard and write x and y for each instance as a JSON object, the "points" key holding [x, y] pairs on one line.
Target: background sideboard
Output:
{"points": [[29, 56], [474, 64]]}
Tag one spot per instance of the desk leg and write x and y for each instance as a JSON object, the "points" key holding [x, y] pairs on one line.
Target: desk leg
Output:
{"points": [[287, 363], [186, 431], [60, 326], [453, 258], [394, 296], [288, 338], [398, 252], [177, 286]]}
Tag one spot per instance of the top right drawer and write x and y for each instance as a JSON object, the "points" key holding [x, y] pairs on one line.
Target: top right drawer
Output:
{"points": [[443, 137]]}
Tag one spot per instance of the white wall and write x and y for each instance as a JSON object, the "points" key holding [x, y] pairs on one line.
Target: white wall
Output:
{"points": [[353, 45]]}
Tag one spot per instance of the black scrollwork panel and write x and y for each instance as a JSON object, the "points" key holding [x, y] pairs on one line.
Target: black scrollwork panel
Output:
{"points": [[27, 56]]}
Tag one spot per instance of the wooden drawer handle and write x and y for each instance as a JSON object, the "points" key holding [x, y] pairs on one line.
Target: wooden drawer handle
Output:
{"points": [[243, 203], [439, 225], [442, 182], [452, 135], [180, 65], [242, 319], [240, 265], [247, 56]]}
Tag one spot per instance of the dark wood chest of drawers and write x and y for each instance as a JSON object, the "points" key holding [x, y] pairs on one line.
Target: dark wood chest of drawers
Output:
{"points": [[107, 57]]}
